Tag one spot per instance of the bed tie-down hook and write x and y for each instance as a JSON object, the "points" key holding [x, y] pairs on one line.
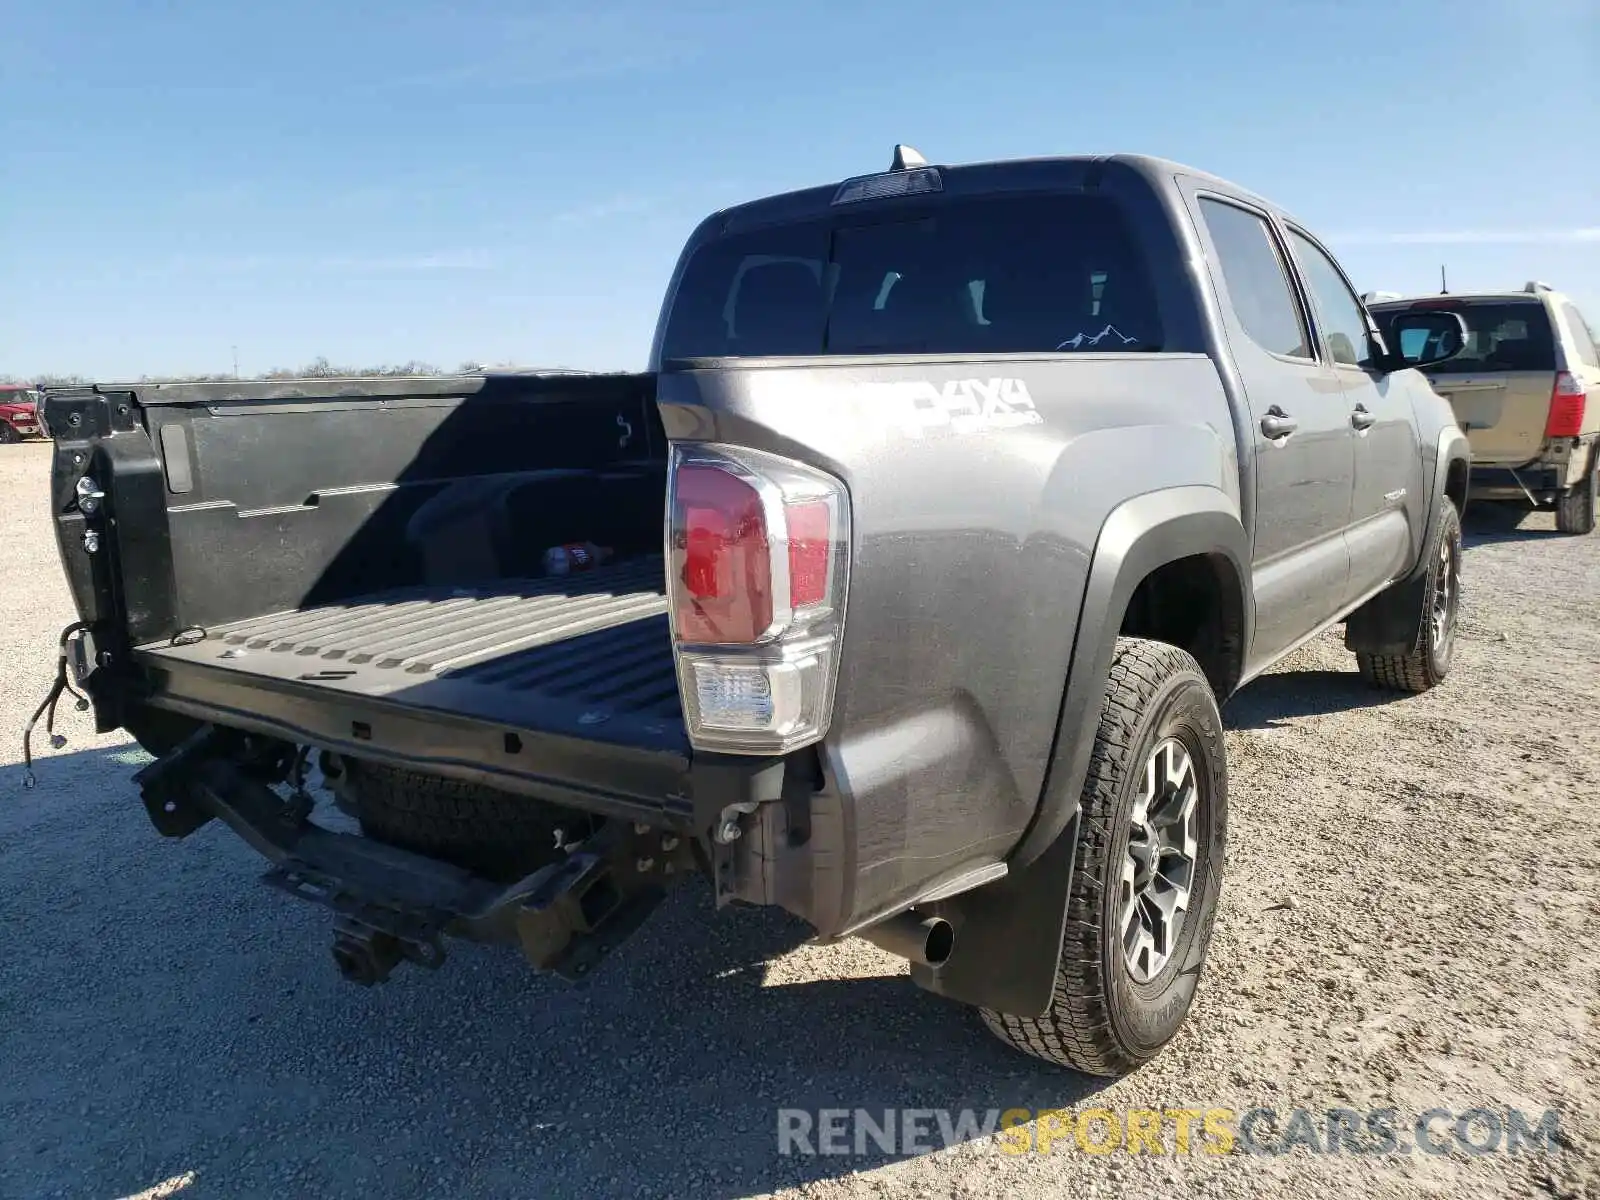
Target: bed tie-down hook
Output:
{"points": [[47, 709]]}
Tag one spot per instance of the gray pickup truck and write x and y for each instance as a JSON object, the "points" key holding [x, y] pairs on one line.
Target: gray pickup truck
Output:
{"points": [[900, 592]]}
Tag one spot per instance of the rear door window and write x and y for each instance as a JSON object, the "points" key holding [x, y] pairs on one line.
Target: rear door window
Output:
{"points": [[1033, 274], [1257, 279], [1502, 335], [1581, 338]]}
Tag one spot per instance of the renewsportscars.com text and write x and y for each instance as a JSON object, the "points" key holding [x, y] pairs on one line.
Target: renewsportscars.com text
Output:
{"points": [[1170, 1131]]}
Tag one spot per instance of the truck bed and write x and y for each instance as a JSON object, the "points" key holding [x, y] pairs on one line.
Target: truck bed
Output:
{"points": [[588, 656]]}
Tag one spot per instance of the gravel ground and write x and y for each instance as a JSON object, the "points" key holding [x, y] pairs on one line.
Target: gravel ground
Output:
{"points": [[1408, 920]]}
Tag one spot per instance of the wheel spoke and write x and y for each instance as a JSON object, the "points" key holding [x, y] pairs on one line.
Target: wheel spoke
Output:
{"points": [[1445, 588], [1159, 868]]}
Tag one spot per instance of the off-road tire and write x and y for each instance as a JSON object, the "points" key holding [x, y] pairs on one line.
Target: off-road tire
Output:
{"points": [[1100, 1021], [1428, 662], [8, 434], [1575, 510], [496, 834]]}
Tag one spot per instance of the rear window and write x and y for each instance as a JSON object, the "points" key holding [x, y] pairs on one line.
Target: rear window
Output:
{"points": [[1001, 275], [1507, 335]]}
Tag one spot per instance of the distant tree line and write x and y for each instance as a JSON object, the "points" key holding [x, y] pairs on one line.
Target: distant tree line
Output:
{"points": [[319, 368]]}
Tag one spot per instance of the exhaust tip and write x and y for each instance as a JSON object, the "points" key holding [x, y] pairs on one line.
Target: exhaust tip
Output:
{"points": [[925, 940]]}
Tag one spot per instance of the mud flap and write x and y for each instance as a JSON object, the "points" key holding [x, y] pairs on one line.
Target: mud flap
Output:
{"points": [[1391, 622], [1008, 934]]}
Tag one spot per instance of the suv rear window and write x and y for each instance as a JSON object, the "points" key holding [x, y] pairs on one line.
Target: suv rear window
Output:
{"points": [[1502, 335], [998, 275]]}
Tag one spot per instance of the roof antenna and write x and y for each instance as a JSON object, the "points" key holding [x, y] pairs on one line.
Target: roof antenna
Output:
{"points": [[1444, 289], [905, 158]]}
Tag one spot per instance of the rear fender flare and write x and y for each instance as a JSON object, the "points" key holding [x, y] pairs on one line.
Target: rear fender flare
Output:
{"points": [[1008, 933]]}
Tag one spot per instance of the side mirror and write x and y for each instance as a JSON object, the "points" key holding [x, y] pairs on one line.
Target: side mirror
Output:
{"points": [[1423, 337]]}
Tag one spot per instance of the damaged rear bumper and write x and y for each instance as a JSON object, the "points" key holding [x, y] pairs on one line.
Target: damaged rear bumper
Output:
{"points": [[396, 906]]}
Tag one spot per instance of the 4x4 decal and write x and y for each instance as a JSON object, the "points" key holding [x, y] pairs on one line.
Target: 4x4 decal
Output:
{"points": [[958, 406]]}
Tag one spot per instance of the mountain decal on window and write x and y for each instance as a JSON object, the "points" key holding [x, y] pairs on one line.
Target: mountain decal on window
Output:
{"points": [[1083, 339]]}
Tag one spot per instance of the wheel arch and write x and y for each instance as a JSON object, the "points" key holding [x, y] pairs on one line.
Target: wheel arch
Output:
{"points": [[1010, 931], [1452, 474], [1141, 538]]}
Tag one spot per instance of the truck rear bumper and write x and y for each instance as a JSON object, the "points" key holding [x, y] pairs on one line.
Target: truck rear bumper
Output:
{"points": [[396, 906], [605, 778]]}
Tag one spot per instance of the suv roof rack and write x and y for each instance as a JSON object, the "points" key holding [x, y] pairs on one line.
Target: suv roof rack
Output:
{"points": [[1533, 285]]}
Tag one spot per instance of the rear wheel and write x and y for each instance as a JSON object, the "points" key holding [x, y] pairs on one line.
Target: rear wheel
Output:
{"points": [[1428, 662], [1575, 510], [1152, 837]]}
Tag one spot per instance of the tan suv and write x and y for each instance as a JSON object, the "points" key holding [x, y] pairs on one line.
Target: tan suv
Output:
{"points": [[1526, 389]]}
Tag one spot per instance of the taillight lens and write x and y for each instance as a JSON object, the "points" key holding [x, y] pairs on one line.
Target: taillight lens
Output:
{"points": [[810, 552], [724, 567], [1567, 402], [758, 555]]}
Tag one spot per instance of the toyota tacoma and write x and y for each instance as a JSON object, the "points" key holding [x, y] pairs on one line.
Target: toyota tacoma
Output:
{"points": [[900, 592]]}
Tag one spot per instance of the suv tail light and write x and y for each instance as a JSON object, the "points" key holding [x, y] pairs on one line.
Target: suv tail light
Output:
{"points": [[758, 551], [1567, 401]]}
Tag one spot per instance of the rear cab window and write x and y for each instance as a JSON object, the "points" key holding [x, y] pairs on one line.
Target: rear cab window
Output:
{"points": [[1502, 335], [1039, 273]]}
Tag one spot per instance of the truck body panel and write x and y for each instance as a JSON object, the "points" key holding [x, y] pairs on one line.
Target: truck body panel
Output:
{"points": [[965, 597]]}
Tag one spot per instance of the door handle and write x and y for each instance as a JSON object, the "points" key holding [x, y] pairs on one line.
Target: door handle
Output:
{"points": [[1278, 424], [1361, 418]]}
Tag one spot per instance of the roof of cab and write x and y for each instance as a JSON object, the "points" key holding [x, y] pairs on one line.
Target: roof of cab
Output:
{"points": [[996, 175]]}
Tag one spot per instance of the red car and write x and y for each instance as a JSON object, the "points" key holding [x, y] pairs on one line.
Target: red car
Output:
{"points": [[19, 412]]}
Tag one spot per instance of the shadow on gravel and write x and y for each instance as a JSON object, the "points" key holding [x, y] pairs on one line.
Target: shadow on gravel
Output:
{"points": [[210, 1033], [1491, 521], [1270, 701]]}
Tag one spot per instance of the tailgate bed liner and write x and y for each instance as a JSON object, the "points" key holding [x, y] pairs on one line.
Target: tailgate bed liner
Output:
{"points": [[538, 679]]}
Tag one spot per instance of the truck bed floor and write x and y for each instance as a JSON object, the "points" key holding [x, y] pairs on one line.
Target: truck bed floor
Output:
{"points": [[589, 655]]}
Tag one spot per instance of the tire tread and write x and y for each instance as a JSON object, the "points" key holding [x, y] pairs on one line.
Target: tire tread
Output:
{"points": [[1575, 511], [498, 834], [1414, 671]]}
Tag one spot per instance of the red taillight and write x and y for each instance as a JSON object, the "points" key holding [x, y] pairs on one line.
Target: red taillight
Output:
{"points": [[724, 551], [758, 550], [725, 565], [810, 548], [1567, 402]]}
